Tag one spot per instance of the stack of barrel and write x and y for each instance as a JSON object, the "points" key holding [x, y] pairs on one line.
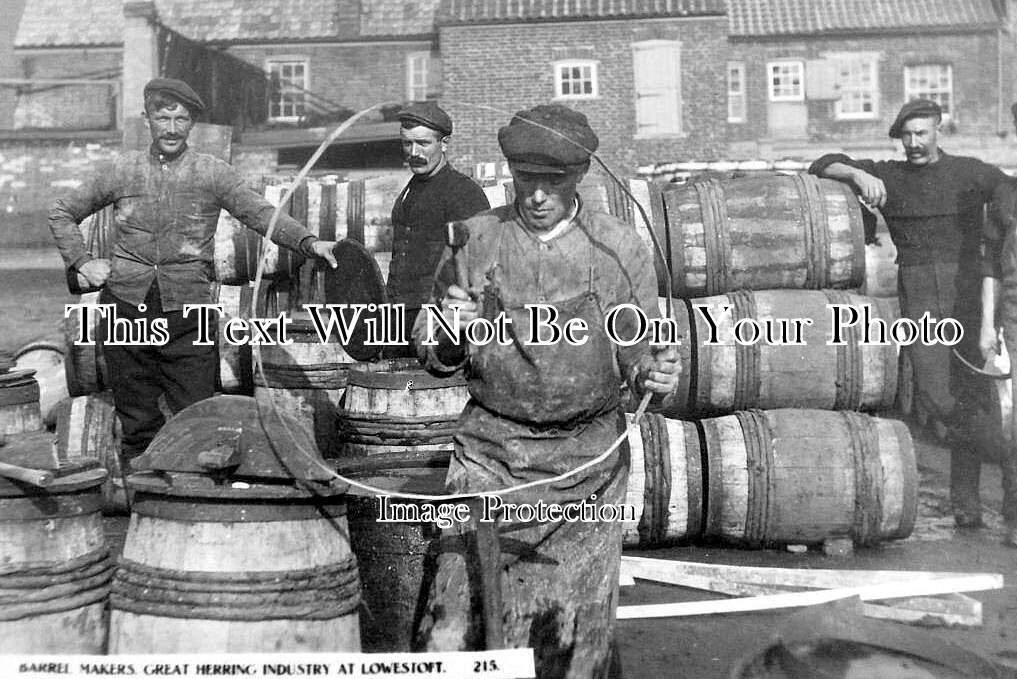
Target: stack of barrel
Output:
{"points": [[55, 569], [764, 443]]}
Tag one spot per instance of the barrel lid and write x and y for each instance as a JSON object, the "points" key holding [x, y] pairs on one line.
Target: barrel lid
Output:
{"points": [[235, 438], [37, 451], [357, 280]]}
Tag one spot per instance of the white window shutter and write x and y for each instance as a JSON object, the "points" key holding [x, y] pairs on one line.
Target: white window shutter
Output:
{"points": [[821, 77], [657, 66]]}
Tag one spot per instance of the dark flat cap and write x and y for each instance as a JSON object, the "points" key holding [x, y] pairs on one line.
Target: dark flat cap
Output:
{"points": [[178, 90], [916, 108], [548, 138], [428, 114]]}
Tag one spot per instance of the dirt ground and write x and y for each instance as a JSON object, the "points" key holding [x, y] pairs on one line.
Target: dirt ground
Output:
{"points": [[705, 647]]}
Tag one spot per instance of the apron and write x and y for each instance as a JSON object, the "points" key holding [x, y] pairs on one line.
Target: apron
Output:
{"points": [[542, 384]]}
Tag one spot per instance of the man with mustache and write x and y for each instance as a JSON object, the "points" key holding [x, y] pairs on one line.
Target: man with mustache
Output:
{"points": [[166, 206], [933, 204], [435, 195]]}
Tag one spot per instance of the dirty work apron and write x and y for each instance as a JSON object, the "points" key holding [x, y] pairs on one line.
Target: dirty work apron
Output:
{"points": [[537, 412]]}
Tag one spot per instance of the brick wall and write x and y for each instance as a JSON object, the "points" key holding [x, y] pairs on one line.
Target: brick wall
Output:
{"points": [[973, 57], [508, 68], [354, 76], [84, 107]]}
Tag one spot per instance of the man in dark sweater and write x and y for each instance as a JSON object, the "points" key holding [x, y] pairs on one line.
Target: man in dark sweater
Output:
{"points": [[933, 205], [434, 196]]}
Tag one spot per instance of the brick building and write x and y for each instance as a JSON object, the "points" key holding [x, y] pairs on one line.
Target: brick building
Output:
{"points": [[649, 75], [808, 74]]}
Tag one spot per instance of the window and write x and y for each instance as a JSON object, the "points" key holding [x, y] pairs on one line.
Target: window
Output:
{"points": [[658, 84], [423, 74], [859, 87], [289, 93], [575, 80], [736, 92], [785, 81], [930, 81]]}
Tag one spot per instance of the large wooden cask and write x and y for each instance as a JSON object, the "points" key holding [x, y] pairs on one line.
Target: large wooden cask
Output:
{"points": [[237, 542], [395, 406], [665, 483], [761, 233], [87, 429], [783, 368], [802, 476], [306, 379], [760, 478], [55, 567]]}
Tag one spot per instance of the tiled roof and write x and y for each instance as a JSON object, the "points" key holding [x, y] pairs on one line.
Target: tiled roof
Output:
{"points": [[100, 22], [63, 22], [499, 11], [797, 17], [397, 17]]}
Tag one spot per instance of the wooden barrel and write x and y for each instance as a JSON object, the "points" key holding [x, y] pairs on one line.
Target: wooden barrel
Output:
{"points": [[760, 233], [19, 402], [236, 373], [396, 559], [725, 374], [801, 476], [221, 571], [235, 251], [84, 364], [47, 360], [87, 429], [55, 568], [395, 406], [665, 482], [305, 379]]}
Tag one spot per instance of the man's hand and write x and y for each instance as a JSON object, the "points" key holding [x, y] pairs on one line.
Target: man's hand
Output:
{"points": [[456, 297], [95, 271], [323, 250], [661, 376], [988, 342], [872, 189]]}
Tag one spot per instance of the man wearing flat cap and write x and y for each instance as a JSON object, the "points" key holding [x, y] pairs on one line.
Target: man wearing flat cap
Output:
{"points": [[435, 195], [166, 206], [933, 205], [542, 406]]}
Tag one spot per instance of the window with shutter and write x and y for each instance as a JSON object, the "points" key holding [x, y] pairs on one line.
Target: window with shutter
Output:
{"points": [[288, 95], [657, 66], [423, 75]]}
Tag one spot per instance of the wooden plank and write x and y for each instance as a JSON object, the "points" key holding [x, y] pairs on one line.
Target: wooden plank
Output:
{"points": [[680, 572], [893, 590], [953, 609]]}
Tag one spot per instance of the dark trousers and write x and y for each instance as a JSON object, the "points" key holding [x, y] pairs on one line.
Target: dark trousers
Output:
{"points": [[179, 371]]}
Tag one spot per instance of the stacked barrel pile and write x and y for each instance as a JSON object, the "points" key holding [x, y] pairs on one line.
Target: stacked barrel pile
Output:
{"points": [[766, 442], [56, 569]]}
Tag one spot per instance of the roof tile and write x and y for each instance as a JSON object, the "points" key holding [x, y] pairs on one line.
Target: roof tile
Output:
{"points": [[503, 11], [762, 18]]}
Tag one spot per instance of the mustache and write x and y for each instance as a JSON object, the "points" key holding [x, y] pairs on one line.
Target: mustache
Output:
{"points": [[417, 161]]}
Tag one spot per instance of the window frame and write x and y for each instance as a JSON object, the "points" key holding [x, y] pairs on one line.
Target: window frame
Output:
{"points": [[871, 61], [909, 93], [771, 96], [738, 66], [592, 64], [428, 57], [287, 59]]}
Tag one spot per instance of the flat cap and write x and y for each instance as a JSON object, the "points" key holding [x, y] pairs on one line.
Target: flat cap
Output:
{"points": [[177, 89], [549, 138], [916, 108], [428, 114]]}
